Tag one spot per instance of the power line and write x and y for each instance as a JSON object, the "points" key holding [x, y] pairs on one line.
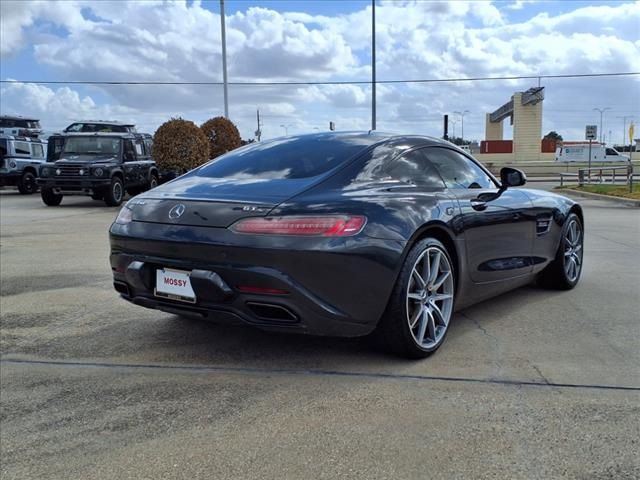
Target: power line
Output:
{"points": [[334, 82]]}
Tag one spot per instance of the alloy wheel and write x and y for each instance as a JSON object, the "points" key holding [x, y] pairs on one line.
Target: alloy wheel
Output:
{"points": [[117, 191], [430, 297], [573, 250]]}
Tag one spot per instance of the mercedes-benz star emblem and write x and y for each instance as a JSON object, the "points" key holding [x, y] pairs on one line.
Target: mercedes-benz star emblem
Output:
{"points": [[176, 211]]}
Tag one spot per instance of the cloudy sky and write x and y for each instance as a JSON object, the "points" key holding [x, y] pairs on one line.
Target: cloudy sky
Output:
{"points": [[320, 41]]}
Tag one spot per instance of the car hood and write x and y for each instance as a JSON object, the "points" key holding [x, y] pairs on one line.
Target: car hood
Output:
{"points": [[86, 159]]}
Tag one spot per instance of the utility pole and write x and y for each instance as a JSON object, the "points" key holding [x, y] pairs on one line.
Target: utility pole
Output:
{"points": [[601, 110], [373, 64], [258, 131], [224, 59], [462, 114], [624, 127]]}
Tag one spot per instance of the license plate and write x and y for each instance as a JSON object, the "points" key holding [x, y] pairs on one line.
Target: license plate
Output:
{"points": [[174, 284]]}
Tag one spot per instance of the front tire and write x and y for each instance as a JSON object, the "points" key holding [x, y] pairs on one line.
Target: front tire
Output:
{"points": [[563, 273], [419, 312], [113, 197], [49, 198], [27, 185]]}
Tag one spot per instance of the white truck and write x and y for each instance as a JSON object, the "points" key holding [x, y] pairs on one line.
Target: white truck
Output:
{"points": [[579, 152]]}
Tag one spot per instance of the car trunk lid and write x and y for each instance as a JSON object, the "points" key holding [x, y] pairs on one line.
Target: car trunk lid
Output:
{"points": [[202, 201]]}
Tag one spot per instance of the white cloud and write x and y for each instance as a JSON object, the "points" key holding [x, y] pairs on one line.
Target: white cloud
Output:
{"points": [[174, 41]]}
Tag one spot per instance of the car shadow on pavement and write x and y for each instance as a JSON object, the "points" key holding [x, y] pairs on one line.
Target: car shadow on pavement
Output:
{"points": [[192, 341]]}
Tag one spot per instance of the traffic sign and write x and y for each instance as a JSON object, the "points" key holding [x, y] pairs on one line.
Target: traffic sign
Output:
{"points": [[591, 132]]}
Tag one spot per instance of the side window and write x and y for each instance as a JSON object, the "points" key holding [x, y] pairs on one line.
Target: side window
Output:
{"points": [[139, 148], [22, 148], [458, 171], [129, 153], [611, 151], [36, 150], [414, 167], [148, 144]]}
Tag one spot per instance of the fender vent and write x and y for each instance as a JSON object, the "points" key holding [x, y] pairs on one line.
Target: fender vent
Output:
{"points": [[543, 225]]}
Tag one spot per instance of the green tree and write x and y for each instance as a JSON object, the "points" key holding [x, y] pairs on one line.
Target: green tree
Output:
{"points": [[459, 141], [180, 145], [222, 135], [553, 135]]}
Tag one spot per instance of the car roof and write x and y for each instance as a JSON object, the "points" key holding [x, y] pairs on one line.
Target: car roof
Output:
{"points": [[105, 122], [18, 117], [103, 134], [373, 137]]}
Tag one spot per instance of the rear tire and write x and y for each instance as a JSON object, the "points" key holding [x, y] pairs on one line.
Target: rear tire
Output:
{"points": [[418, 315], [27, 185], [49, 198], [153, 181], [114, 195], [563, 273]]}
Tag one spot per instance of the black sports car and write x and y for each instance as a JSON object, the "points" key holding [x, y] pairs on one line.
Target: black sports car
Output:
{"points": [[343, 234]]}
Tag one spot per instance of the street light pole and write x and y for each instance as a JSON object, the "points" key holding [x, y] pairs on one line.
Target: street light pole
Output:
{"points": [[601, 110], [373, 64], [224, 59], [462, 114], [453, 130], [286, 129]]}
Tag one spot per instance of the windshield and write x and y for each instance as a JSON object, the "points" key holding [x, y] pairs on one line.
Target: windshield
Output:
{"points": [[92, 146], [286, 158]]}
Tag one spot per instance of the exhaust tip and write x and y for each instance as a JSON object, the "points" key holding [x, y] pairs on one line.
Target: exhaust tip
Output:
{"points": [[272, 313], [122, 288]]}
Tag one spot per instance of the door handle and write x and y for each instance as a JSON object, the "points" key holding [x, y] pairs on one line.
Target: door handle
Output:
{"points": [[478, 205]]}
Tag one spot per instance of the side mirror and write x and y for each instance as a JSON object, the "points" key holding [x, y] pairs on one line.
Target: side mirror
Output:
{"points": [[512, 177]]}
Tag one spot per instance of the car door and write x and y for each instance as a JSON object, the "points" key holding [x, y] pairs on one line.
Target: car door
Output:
{"points": [[131, 164], [498, 225]]}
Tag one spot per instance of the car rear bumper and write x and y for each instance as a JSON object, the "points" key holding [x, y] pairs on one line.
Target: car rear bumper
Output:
{"points": [[341, 292], [10, 179]]}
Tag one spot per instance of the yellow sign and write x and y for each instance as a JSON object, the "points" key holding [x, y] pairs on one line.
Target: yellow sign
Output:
{"points": [[631, 130]]}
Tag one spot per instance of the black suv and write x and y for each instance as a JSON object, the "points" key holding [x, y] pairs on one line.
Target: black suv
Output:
{"points": [[102, 165]]}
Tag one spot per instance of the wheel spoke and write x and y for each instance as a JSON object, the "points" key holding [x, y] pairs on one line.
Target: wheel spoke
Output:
{"points": [[441, 296], [438, 283], [576, 259], [438, 315], [426, 266], [431, 326], [423, 326], [418, 278], [414, 296], [416, 316], [435, 268]]}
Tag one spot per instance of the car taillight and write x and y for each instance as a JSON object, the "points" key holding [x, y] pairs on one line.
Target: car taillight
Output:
{"points": [[317, 226]]}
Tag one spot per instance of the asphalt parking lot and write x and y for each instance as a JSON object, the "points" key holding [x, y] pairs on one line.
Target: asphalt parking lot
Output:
{"points": [[534, 384]]}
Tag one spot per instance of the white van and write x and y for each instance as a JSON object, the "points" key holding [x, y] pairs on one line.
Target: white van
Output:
{"points": [[579, 152]]}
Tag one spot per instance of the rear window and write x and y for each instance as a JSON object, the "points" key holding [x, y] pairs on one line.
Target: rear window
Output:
{"points": [[286, 158]]}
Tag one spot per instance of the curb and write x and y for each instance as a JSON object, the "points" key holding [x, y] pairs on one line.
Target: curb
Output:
{"points": [[629, 202]]}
